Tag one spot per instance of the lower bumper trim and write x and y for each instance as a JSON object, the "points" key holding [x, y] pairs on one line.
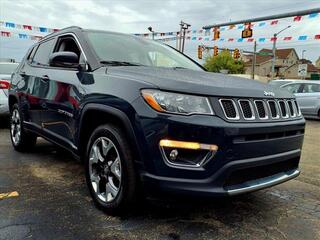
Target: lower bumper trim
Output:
{"points": [[261, 183]]}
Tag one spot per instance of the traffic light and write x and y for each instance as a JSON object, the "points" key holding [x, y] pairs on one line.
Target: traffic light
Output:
{"points": [[215, 51], [236, 53], [199, 52], [216, 35], [247, 32]]}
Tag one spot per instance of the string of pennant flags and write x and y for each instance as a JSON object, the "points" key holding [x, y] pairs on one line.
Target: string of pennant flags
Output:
{"points": [[37, 33]]}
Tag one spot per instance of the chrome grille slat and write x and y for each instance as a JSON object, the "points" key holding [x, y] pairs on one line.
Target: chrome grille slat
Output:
{"points": [[246, 109], [273, 108], [259, 109], [230, 111]]}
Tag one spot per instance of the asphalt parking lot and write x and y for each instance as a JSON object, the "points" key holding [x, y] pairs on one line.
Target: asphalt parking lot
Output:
{"points": [[53, 203]]}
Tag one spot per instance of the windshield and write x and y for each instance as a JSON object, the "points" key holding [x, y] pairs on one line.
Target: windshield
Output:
{"points": [[113, 47], [8, 69]]}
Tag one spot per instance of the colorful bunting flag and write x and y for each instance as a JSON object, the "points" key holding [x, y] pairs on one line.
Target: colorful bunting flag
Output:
{"points": [[262, 24], [313, 15], [302, 38], [287, 38], [274, 22], [297, 18]]}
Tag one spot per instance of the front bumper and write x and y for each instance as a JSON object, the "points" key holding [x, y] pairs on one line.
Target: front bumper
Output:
{"points": [[215, 184], [251, 156]]}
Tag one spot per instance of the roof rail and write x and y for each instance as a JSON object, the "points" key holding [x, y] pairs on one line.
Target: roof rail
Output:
{"points": [[62, 30]]}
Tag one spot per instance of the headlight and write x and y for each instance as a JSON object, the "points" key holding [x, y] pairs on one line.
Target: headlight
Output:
{"points": [[177, 103]]}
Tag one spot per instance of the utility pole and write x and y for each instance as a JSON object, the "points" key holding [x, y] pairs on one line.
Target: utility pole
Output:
{"points": [[180, 35], [273, 55], [254, 59], [183, 27], [303, 51], [274, 51]]}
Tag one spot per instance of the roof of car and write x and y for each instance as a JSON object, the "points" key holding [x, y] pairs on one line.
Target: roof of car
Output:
{"points": [[76, 28], [304, 81]]}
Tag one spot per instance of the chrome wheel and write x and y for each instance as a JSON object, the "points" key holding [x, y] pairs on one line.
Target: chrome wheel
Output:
{"points": [[105, 169], [15, 127]]}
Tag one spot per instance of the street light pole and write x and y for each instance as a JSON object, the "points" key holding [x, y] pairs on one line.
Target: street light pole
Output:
{"points": [[303, 51], [274, 51], [150, 29]]}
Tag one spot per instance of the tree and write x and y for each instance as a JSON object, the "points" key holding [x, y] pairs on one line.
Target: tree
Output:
{"points": [[224, 61]]}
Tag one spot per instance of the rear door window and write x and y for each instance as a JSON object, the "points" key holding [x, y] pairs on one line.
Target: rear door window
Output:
{"points": [[293, 88], [311, 88], [41, 56]]}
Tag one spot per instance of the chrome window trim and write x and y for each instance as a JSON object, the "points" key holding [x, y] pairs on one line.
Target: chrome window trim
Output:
{"points": [[235, 106], [251, 107], [276, 107], [285, 105], [265, 109]]}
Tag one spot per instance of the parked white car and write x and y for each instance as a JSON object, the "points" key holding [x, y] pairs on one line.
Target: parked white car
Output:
{"points": [[308, 96], [6, 69]]}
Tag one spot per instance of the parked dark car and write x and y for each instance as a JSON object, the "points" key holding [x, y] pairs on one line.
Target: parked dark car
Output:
{"points": [[146, 119]]}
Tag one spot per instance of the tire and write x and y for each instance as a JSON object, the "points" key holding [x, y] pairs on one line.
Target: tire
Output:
{"points": [[22, 140], [110, 193]]}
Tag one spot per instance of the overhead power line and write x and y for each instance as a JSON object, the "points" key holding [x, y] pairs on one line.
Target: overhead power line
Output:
{"points": [[270, 17]]}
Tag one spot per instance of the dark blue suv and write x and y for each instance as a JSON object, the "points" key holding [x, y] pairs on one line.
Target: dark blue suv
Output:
{"points": [[145, 118]]}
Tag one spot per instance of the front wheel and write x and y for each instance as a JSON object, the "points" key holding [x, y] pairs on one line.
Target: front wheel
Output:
{"points": [[21, 139], [110, 173]]}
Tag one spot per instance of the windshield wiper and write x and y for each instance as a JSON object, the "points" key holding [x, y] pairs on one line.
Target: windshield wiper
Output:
{"points": [[120, 63]]}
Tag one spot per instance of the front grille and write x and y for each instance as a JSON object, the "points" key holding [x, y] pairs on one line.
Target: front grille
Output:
{"points": [[259, 109], [260, 106], [297, 108], [246, 109], [253, 173], [273, 109], [229, 108], [291, 109], [283, 109]]}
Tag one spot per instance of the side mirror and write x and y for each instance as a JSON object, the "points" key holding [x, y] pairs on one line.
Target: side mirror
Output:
{"points": [[64, 59]]}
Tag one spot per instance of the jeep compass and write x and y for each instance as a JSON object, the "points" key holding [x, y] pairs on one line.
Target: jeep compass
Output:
{"points": [[145, 118]]}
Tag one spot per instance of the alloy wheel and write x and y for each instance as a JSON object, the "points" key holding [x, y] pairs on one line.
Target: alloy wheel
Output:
{"points": [[105, 169], [15, 127]]}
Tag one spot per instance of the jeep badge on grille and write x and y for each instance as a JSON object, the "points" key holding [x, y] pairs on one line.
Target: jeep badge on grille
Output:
{"points": [[268, 94]]}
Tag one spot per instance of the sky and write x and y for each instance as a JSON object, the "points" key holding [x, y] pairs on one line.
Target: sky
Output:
{"points": [[135, 16]]}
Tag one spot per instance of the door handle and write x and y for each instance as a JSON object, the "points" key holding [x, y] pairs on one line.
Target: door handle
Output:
{"points": [[22, 74], [45, 78]]}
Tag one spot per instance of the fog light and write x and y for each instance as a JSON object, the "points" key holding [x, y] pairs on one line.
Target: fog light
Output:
{"points": [[191, 154], [187, 145], [173, 154]]}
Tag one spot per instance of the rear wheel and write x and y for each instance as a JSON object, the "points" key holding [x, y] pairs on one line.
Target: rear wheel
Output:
{"points": [[21, 139], [110, 173]]}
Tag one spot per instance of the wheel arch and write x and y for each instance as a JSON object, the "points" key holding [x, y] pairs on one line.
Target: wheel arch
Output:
{"points": [[11, 101], [94, 115]]}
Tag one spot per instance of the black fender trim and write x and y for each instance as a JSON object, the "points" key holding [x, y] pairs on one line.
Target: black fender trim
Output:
{"points": [[116, 113]]}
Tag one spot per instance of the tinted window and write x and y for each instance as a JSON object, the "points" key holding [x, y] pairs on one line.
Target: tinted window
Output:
{"points": [[311, 88], [42, 55], [293, 88]]}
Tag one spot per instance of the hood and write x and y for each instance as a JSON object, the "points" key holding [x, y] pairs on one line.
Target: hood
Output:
{"points": [[198, 82]]}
